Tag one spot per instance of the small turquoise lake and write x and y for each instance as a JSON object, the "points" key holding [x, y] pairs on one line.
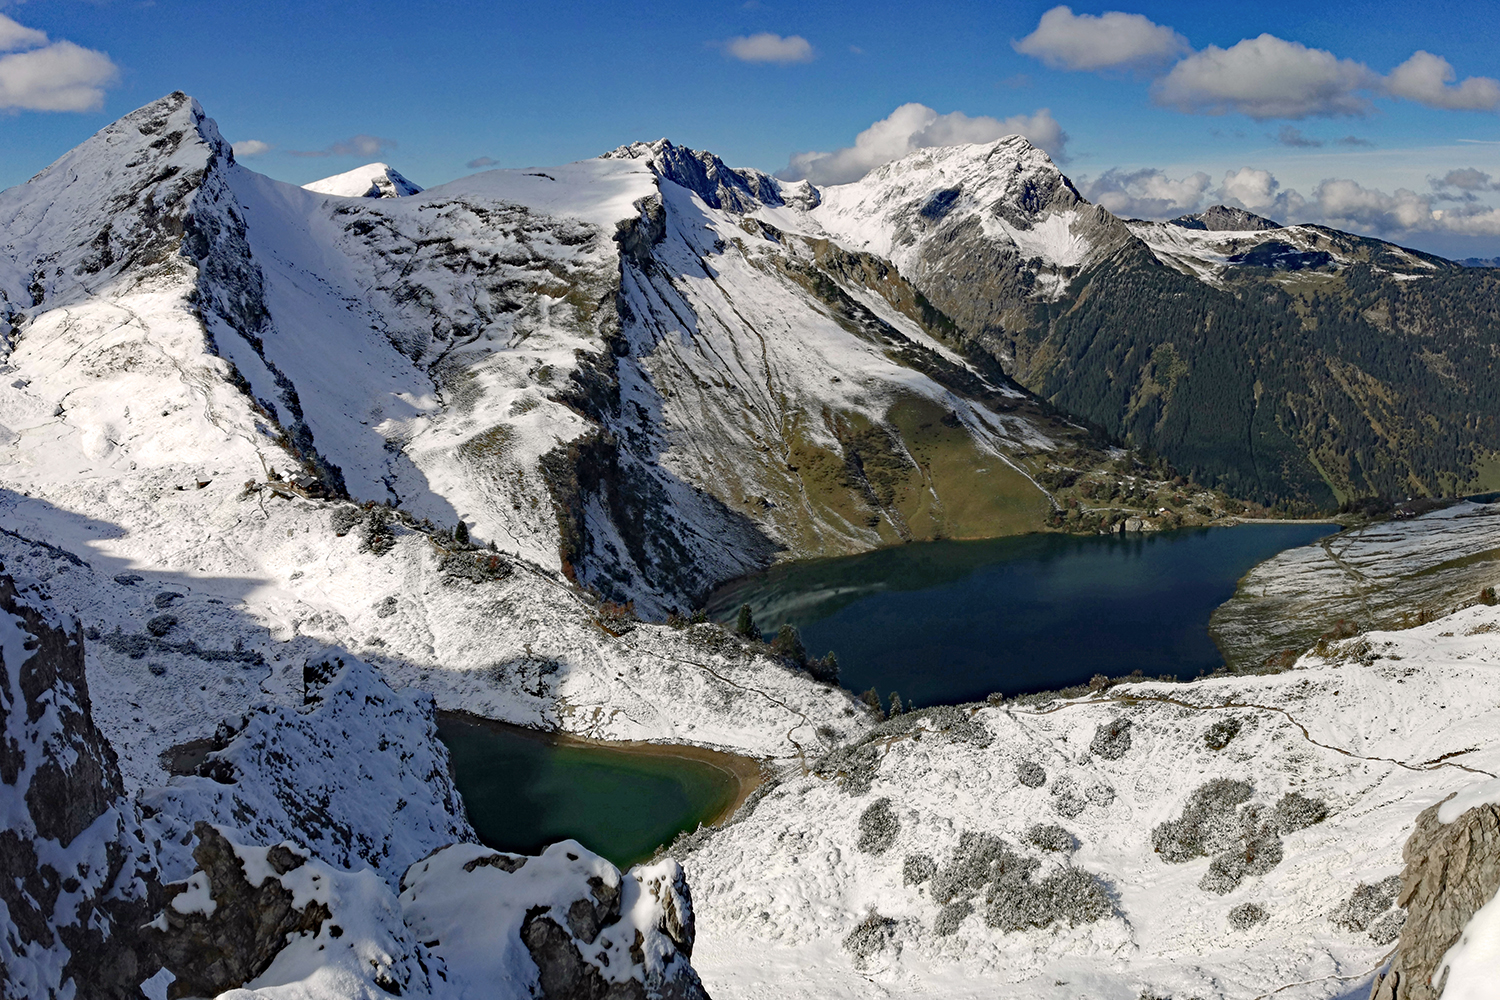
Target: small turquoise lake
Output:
{"points": [[524, 790], [946, 622]]}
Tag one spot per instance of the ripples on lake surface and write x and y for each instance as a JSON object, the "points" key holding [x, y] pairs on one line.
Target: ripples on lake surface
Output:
{"points": [[945, 622]]}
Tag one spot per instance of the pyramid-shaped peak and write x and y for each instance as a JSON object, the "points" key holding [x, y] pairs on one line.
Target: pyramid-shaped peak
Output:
{"points": [[373, 180]]}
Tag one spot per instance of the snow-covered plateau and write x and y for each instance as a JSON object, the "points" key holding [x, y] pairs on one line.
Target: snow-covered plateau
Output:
{"points": [[283, 470]]}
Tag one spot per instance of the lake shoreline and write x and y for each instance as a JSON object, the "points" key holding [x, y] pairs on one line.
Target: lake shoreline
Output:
{"points": [[746, 773]]}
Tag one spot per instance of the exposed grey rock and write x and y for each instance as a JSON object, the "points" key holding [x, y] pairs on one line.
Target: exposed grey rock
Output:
{"points": [[1451, 871], [246, 928], [75, 879]]}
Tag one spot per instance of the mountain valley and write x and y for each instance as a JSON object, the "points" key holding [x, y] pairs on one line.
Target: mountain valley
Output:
{"points": [[284, 471]]}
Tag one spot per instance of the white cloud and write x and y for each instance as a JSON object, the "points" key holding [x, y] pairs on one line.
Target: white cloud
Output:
{"points": [[36, 75], [251, 147], [916, 126], [1426, 78], [1259, 192], [359, 145], [1113, 40], [766, 47], [15, 36], [1149, 194], [1268, 77], [482, 161]]}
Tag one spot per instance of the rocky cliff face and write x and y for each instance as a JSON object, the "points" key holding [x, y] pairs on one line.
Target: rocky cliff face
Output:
{"points": [[1452, 870], [76, 879]]}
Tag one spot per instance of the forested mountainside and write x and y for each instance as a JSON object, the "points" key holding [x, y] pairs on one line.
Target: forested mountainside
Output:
{"points": [[1280, 363]]}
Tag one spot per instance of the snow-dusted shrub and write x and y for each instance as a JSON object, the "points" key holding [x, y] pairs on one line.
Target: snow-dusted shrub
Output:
{"points": [[345, 519], [1388, 928], [161, 625], [878, 826], [1051, 837], [1065, 798], [479, 567], [1297, 812], [385, 607], [951, 916], [1030, 774], [1258, 855], [917, 868], [1069, 894], [1218, 735], [377, 537], [978, 860], [1245, 916], [1111, 739], [1366, 903], [870, 937], [1208, 823], [1100, 794]]}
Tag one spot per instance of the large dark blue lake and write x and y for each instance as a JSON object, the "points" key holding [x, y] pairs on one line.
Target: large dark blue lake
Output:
{"points": [[945, 622]]}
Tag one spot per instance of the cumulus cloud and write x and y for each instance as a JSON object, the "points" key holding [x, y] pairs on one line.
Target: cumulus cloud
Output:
{"points": [[766, 47], [1468, 179], [1352, 141], [1113, 40], [251, 147], [1428, 79], [38, 75], [1454, 208], [482, 161], [359, 145], [916, 126], [1267, 77], [1149, 194]]}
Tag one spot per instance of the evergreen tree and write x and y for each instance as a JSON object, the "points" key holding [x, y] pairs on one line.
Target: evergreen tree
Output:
{"points": [[461, 535], [872, 699], [827, 669], [895, 700], [788, 643], [745, 623]]}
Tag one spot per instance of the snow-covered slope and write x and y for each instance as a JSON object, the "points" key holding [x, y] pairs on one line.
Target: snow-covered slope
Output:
{"points": [[373, 180], [872, 871], [613, 368]]}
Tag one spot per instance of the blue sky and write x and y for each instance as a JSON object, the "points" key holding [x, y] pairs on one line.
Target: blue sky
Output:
{"points": [[1159, 108]]}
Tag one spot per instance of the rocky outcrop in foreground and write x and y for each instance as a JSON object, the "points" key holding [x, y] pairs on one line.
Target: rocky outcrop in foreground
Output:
{"points": [[75, 881], [1452, 869]]}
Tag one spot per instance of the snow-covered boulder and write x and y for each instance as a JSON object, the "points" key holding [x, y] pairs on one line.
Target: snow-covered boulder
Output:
{"points": [[561, 925]]}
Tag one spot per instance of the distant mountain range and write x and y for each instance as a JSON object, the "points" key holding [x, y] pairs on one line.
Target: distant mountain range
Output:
{"points": [[658, 372]]}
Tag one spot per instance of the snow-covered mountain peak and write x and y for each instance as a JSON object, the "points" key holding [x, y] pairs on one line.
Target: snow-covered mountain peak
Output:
{"points": [[122, 198], [373, 180], [1007, 191], [733, 189]]}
